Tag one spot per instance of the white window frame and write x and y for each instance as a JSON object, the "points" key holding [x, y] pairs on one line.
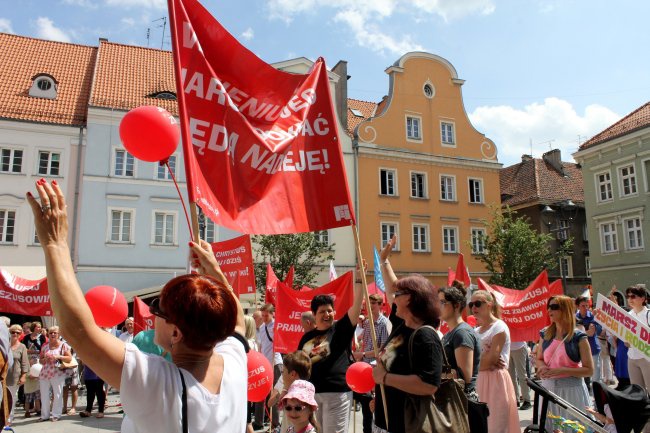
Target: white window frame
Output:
{"points": [[323, 234], [12, 156], [114, 164], [395, 190], [481, 189], [35, 240], [476, 240], [454, 197], [646, 173], [569, 261], [563, 227], [49, 162], [627, 231], [427, 238], [167, 177], [204, 235], [598, 183], [419, 137], [632, 178], [602, 235], [453, 133], [425, 184], [109, 226], [381, 232], [5, 224], [165, 213], [456, 239]]}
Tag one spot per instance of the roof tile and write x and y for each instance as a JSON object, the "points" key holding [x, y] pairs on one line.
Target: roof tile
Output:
{"points": [[367, 109], [639, 118]]}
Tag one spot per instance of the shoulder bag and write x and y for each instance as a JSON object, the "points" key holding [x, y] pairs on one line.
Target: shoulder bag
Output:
{"points": [[67, 366], [443, 412]]}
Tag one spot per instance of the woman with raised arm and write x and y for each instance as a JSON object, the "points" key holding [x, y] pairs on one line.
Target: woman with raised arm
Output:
{"points": [[198, 320]]}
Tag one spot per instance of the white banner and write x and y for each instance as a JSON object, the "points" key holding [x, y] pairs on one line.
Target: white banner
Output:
{"points": [[620, 323]]}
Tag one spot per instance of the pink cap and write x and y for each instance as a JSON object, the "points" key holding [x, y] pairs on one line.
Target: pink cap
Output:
{"points": [[302, 391]]}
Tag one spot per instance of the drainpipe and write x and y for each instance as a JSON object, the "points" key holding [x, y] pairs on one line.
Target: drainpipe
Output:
{"points": [[76, 201]]}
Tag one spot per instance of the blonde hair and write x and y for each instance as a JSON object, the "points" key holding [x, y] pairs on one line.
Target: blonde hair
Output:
{"points": [[496, 308], [567, 317], [250, 327], [16, 328], [53, 328]]}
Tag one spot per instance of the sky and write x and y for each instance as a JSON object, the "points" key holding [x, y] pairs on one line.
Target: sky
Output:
{"points": [[540, 74]]}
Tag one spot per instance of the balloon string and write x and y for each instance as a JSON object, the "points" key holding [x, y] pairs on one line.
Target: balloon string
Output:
{"points": [[187, 217]]}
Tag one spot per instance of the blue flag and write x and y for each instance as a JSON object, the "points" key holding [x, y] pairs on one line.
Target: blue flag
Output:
{"points": [[379, 280]]}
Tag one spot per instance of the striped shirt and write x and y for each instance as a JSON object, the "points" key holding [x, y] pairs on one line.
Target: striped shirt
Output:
{"points": [[381, 329]]}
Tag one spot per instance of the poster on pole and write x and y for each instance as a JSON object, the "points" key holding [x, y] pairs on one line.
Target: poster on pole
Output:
{"points": [[619, 322], [235, 257]]}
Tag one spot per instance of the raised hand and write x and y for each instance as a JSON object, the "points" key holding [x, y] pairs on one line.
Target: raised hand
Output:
{"points": [[388, 248], [50, 215]]}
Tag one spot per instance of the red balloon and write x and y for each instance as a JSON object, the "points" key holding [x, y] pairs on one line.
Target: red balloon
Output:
{"points": [[108, 305], [359, 377], [260, 376], [149, 133]]}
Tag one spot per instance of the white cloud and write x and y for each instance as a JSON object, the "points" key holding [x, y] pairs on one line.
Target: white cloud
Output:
{"points": [[129, 22], [150, 4], [46, 29], [555, 119], [248, 34], [82, 3], [5, 26]]}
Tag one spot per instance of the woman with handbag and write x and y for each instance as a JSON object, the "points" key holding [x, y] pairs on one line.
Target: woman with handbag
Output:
{"points": [[404, 375], [494, 384], [17, 374], [53, 353]]}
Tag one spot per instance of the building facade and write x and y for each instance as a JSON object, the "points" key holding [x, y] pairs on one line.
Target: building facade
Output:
{"points": [[424, 173], [616, 169]]}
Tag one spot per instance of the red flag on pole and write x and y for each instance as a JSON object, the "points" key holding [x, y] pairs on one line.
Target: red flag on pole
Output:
{"points": [[288, 280], [235, 256], [272, 282], [461, 272], [451, 276], [261, 147], [143, 320]]}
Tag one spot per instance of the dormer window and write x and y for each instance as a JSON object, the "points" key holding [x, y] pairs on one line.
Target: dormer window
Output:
{"points": [[164, 95], [43, 86]]}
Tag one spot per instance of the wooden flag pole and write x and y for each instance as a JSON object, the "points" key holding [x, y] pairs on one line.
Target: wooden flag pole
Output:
{"points": [[195, 222], [373, 334]]}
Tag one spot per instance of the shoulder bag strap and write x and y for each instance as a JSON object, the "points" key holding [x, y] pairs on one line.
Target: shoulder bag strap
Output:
{"points": [[183, 403], [446, 365], [266, 329]]}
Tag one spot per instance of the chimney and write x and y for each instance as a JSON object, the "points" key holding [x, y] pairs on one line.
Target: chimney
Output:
{"points": [[341, 89], [554, 159], [526, 157]]}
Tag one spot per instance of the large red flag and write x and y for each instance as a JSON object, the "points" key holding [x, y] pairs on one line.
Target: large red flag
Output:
{"points": [[235, 258], [272, 282], [261, 147], [21, 296], [143, 320], [292, 303]]}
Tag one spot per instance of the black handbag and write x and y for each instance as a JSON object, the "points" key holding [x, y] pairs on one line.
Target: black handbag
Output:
{"points": [[478, 413], [443, 412]]}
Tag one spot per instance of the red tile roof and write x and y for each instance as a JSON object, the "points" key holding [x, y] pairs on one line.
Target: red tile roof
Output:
{"points": [[127, 75], [367, 109], [639, 118], [535, 180], [70, 65]]}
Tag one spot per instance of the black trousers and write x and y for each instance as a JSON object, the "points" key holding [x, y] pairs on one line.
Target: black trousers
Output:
{"points": [[364, 400], [95, 387]]}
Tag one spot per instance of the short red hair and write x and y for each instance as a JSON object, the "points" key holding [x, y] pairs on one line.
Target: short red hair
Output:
{"points": [[202, 308]]}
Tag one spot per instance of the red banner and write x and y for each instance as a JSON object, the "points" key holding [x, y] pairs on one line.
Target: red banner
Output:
{"points": [[272, 282], [261, 147], [292, 303], [524, 311], [461, 273], [235, 257], [22, 296], [143, 320]]}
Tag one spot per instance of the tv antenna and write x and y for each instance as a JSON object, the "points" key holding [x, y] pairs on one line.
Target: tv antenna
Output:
{"points": [[148, 35], [163, 25]]}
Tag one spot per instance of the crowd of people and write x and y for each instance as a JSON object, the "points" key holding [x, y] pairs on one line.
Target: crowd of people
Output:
{"points": [[200, 383]]}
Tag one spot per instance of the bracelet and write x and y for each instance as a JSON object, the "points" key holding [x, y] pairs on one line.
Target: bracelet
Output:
{"points": [[386, 263], [383, 379]]}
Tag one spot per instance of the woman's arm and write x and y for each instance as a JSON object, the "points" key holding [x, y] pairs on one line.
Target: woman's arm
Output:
{"points": [[490, 359], [410, 383], [387, 271], [66, 356], [465, 361], [102, 352]]}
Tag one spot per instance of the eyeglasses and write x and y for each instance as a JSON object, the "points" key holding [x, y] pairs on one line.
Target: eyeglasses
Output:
{"points": [[16, 332], [553, 307], [400, 293], [53, 333], [476, 304], [154, 308], [292, 408]]}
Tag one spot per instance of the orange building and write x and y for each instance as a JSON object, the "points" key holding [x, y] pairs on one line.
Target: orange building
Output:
{"points": [[424, 172]]}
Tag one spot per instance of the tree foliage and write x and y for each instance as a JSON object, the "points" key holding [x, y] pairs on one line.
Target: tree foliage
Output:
{"points": [[515, 253], [304, 251]]}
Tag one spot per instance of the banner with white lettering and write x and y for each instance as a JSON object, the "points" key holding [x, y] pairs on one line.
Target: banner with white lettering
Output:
{"points": [[524, 311], [235, 256], [619, 322], [292, 303], [21, 296], [143, 320], [261, 146]]}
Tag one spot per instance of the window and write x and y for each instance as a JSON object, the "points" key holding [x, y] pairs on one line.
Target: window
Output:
{"points": [[121, 226], [447, 133], [209, 232], [428, 90], [585, 233], [124, 164], [588, 266], [164, 230], [388, 230], [43, 86], [418, 185], [387, 182], [478, 241], [323, 237], [36, 241], [449, 239], [7, 226], [48, 163], [566, 267], [475, 191], [608, 238], [413, 128], [646, 167], [420, 238], [604, 186], [163, 173], [633, 233], [563, 230], [627, 179], [164, 95], [447, 188], [11, 160]]}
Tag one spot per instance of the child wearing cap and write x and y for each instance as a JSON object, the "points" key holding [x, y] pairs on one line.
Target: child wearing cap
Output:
{"points": [[299, 407]]}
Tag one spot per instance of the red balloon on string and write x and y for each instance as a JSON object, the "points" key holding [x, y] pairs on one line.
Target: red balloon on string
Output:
{"points": [[359, 377], [149, 133], [108, 305], [260, 376]]}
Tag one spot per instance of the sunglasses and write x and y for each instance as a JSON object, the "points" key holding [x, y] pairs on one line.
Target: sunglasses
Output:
{"points": [[631, 296], [288, 408], [16, 332], [400, 293], [554, 307], [154, 308], [52, 333], [476, 304]]}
